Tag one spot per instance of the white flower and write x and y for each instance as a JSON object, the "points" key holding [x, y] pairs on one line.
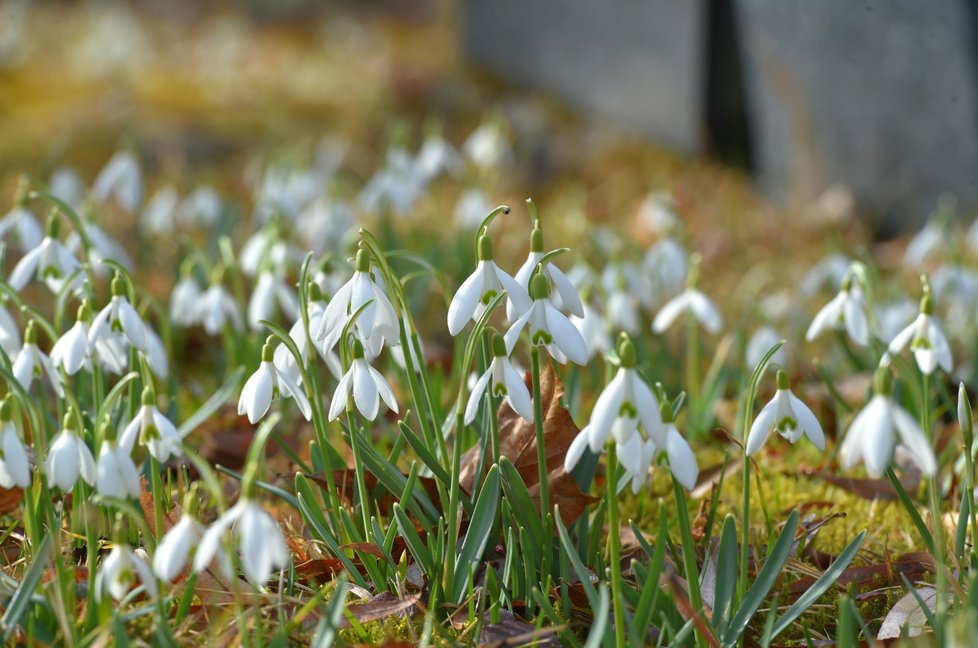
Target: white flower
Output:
{"points": [[927, 341], [759, 344], [924, 243], [846, 310], [32, 363], [118, 571], [789, 416], [200, 208], [594, 331], [691, 300], [473, 296], [185, 300], [266, 384], [564, 295], [115, 472], [72, 351], [66, 184], [658, 213], [682, 462], [832, 270], [50, 262], [471, 209], [160, 212], [9, 333], [636, 456], [270, 289], [25, 227], [667, 265], [327, 225], [548, 327], [122, 179], [15, 468], [487, 147], [153, 430], [506, 383], [398, 185], [174, 549], [870, 436], [262, 547], [437, 156], [366, 385], [69, 457], [215, 308], [102, 247], [376, 324], [284, 360], [622, 311], [118, 316]]}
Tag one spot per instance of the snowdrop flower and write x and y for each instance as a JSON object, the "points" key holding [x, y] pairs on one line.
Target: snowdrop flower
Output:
{"points": [[760, 343], [789, 416], [637, 284], [24, 226], [927, 341], [9, 333], [216, 307], [399, 185], [262, 547], [269, 290], [50, 262], [658, 213], [486, 147], [185, 301], [327, 225], [924, 243], [623, 405], [156, 355], [376, 324], [72, 351], [115, 472], [32, 363], [846, 310], [690, 300], [119, 570], [121, 179], [636, 456], [594, 330], [437, 156], [471, 208], [286, 363], [870, 436], [622, 310], [160, 212], [893, 316], [69, 457], [200, 208], [548, 327], [153, 429], [118, 316], [365, 384], [506, 383], [682, 462], [564, 296], [667, 265], [102, 247], [15, 468], [66, 184], [478, 290], [830, 270], [175, 548], [266, 384]]}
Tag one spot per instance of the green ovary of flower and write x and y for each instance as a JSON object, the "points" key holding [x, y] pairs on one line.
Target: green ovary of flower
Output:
{"points": [[787, 423], [488, 296], [542, 338], [628, 410]]}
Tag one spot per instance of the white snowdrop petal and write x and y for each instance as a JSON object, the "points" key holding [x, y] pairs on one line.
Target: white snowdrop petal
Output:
{"points": [[761, 428]]}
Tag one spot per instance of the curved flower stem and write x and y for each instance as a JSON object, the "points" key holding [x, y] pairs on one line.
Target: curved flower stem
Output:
{"points": [[358, 470], [614, 547], [541, 458]]}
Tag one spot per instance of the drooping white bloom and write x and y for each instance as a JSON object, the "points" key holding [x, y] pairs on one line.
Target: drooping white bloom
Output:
{"points": [[637, 283], [847, 310], [487, 147], [66, 184], [924, 243], [327, 225], [115, 472], [15, 468], [32, 363], [50, 262], [564, 296], [594, 330], [759, 344], [927, 341], [548, 327], [505, 383], [478, 290], [25, 229], [622, 311], [200, 208], [870, 437], [636, 454], [153, 430], [266, 384], [102, 247], [175, 548], [366, 385], [156, 354], [658, 213], [691, 300], [72, 351], [118, 572], [377, 323], [261, 546], [893, 316], [118, 316], [185, 300], [159, 215], [286, 363], [216, 308], [436, 157], [398, 186], [830, 270], [121, 179], [9, 333], [69, 457], [269, 290], [667, 265], [471, 208], [789, 416]]}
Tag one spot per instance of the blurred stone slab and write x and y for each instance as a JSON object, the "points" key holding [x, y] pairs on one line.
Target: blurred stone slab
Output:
{"points": [[877, 95], [637, 62]]}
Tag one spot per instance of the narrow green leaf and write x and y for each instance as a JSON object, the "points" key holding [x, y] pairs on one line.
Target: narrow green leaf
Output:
{"points": [[726, 574], [414, 543], [819, 587], [22, 597], [477, 535], [911, 509], [519, 498], [427, 457], [599, 628], [309, 508]]}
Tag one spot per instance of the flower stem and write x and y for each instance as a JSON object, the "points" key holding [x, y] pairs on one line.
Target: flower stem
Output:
{"points": [[692, 372], [541, 457], [934, 492], [491, 405], [614, 548], [361, 480]]}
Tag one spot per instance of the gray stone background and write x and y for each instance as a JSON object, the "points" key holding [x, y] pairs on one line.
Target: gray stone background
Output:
{"points": [[878, 96]]}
